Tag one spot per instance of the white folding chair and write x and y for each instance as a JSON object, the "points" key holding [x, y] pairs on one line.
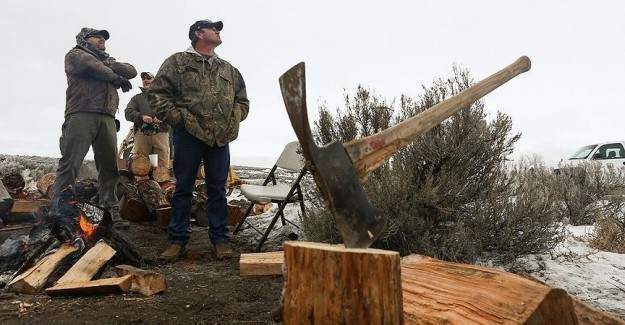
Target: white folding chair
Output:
{"points": [[277, 192]]}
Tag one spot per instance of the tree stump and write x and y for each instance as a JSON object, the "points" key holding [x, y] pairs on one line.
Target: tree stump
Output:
{"points": [[329, 284]]}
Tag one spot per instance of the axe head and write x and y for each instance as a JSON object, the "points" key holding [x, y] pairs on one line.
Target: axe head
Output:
{"points": [[359, 222]]}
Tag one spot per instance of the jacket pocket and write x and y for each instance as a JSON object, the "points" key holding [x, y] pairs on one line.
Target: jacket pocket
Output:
{"points": [[233, 126]]}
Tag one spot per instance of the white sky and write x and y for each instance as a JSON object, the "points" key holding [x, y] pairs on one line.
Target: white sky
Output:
{"points": [[572, 96]]}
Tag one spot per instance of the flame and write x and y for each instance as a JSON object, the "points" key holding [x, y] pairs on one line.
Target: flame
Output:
{"points": [[87, 228]]}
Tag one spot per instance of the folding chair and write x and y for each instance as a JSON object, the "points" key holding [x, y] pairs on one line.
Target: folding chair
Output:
{"points": [[277, 192]]}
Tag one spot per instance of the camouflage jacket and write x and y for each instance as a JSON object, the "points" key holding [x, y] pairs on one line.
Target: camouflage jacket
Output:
{"points": [[89, 75], [139, 106], [89, 87], [206, 95]]}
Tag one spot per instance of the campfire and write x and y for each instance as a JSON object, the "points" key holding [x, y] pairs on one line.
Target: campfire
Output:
{"points": [[68, 252]]}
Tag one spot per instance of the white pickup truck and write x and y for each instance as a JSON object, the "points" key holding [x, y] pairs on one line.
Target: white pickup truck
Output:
{"points": [[607, 153]]}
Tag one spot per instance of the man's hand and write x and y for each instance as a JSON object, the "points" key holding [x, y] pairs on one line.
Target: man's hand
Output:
{"points": [[156, 120], [148, 119], [122, 83]]}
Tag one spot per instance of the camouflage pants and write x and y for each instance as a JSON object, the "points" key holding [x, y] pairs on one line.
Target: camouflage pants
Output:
{"points": [[79, 132]]}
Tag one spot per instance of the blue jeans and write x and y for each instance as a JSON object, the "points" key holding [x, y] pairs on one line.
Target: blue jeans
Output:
{"points": [[188, 154]]}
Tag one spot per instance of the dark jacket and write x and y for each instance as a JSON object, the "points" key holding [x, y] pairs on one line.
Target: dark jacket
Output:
{"points": [[206, 95], [139, 106], [89, 77]]}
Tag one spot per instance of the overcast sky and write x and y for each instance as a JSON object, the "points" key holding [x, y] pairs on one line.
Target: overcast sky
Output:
{"points": [[572, 96]]}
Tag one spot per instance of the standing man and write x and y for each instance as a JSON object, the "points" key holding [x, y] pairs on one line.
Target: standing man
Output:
{"points": [[203, 97], [151, 134], [93, 78]]}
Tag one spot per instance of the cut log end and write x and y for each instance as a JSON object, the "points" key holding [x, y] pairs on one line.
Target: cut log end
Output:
{"points": [[365, 285]]}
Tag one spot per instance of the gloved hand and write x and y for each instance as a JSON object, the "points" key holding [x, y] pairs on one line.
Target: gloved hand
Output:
{"points": [[122, 83]]}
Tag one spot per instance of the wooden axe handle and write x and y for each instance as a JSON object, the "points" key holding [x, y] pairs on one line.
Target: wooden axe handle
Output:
{"points": [[370, 152]]}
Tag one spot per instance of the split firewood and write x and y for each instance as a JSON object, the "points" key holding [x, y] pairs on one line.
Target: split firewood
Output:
{"points": [[28, 206], [89, 264], [145, 282], [260, 208], [269, 263], [44, 184], [436, 291], [101, 286], [14, 182], [32, 280], [131, 206], [140, 165], [235, 213], [163, 215]]}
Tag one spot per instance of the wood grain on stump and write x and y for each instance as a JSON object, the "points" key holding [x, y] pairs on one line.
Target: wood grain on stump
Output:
{"points": [[140, 165], [329, 284]]}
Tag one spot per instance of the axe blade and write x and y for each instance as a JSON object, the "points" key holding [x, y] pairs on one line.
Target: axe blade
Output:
{"points": [[359, 222]]}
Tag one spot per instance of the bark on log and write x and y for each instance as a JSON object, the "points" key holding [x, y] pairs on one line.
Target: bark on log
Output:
{"points": [[6, 202], [151, 194], [101, 286], [328, 284], [442, 292], [44, 184], [145, 282], [132, 207], [14, 182], [33, 280]]}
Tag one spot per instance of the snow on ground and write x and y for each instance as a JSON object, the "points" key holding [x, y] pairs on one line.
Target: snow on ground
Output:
{"points": [[590, 275]]}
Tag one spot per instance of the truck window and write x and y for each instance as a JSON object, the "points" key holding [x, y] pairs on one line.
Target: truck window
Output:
{"points": [[610, 151], [583, 152]]}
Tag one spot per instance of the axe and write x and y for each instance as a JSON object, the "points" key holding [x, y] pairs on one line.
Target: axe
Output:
{"points": [[339, 168]]}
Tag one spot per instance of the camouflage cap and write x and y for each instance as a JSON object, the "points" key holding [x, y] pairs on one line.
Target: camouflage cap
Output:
{"points": [[146, 75], [86, 31], [203, 24]]}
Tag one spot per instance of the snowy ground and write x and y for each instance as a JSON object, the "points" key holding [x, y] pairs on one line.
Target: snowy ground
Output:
{"points": [[592, 276]]}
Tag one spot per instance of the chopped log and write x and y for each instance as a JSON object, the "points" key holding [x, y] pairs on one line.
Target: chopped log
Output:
{"points": [[133, 209], [151, 194], [32, 280], [161, 174], [84, 288], [6, 202], [443, 292], [163, 215], [260, 208], [44, 184], [146, 282], [587, 315], [140, 165], [235, 213], [233, 178], [28, 206], [89, 264], [330, 284], [14, 182], [269, 263]]}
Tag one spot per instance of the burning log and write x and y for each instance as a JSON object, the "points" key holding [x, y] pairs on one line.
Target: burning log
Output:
{"points": [[14, 183], [101, 286], [145, 282], [34, 279], [44, 184]]}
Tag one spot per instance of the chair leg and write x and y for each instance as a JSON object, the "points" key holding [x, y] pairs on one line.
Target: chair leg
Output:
{"points": [[273, 222], [247, 213]]}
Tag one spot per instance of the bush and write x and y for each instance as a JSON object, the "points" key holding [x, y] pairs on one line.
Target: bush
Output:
{"points": [[448, 194]]}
